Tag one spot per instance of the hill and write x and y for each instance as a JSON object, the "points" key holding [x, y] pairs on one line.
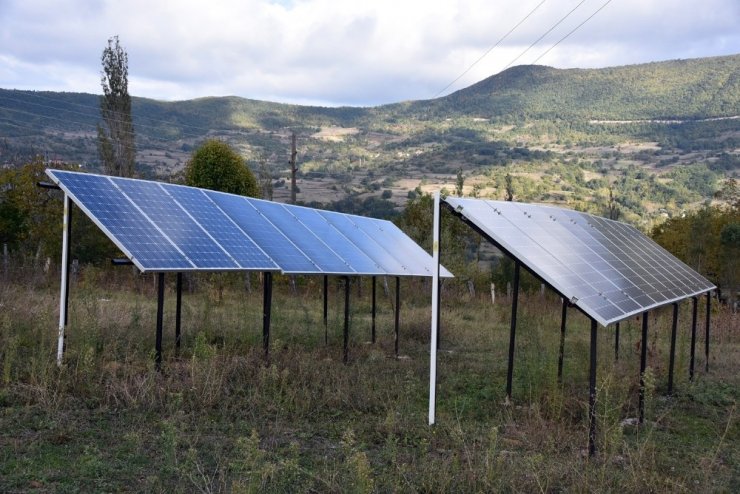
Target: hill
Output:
{"points": [[680, 89], [565, 135]]}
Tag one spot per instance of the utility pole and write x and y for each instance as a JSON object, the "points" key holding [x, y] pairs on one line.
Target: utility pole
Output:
{"points": [[293, 154]]}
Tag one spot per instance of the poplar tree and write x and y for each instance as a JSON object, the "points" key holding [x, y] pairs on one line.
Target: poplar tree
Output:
{"points": [[116, 135]]}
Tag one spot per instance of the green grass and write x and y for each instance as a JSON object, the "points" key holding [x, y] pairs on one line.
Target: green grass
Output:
{"points": [[219, 418]]}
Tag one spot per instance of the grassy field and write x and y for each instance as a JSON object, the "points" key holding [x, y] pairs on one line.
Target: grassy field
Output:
{"points": [[220, 418]]}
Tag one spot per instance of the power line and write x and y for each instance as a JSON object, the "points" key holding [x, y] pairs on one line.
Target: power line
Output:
{"points": [[546, 33], [573, 31], [490, 49]]}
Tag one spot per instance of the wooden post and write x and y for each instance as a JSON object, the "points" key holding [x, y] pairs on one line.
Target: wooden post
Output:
{"points": [[293, 154]]}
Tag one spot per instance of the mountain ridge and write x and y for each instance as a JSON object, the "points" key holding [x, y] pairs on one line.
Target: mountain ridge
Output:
{"points": [[554, 129]]}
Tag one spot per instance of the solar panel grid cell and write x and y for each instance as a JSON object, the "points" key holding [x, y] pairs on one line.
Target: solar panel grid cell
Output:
{"points": [[276, 245], [133, 233], [378, 254], [220, 227], [386, 234], [176, 224], [329, 235], [300, 236]]}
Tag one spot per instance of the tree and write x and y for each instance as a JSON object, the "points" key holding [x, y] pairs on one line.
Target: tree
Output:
{"points": [[265, 180], [31, 219], [458, 239], [612, 208], [707, 240], [116, 138], [509, 187], [459, 183], [215, 165]]}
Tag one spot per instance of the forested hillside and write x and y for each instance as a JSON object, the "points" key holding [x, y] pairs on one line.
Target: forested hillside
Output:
{"points": [[681, 89], [662, 136]]}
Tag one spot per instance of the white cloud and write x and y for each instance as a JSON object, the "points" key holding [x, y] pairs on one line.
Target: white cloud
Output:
{"points": [[349, 52]]}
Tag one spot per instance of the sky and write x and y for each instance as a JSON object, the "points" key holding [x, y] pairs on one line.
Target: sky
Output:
{"points": [[343, 52]]}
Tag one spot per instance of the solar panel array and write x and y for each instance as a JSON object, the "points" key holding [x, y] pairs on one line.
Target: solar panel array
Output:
{"points": [[607, 268], [167, 227]]}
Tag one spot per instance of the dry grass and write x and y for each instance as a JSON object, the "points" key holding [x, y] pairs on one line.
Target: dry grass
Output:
{"points": [[219, 418]]}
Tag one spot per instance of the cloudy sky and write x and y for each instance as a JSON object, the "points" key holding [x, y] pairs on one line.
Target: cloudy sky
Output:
{"points": [[342, 52]]}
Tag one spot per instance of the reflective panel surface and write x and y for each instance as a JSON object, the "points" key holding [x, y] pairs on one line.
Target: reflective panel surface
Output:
{"points": [[167, 227], [607, 268]]}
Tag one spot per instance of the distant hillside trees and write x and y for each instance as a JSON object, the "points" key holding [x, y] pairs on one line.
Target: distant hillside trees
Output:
{"points": [[217, 166], [708, 240], [116, 136]]}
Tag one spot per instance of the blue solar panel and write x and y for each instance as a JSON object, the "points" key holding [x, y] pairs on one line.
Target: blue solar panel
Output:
{"points": [[379, 255], [390, 238], [311, 245], [276, 245], [176, 224], [227, 233], [607, 268], [166, 227], [130, 230], [338, 243]]}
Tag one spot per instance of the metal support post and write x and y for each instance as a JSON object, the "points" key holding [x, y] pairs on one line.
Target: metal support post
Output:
{"points": [[561, 350], [178, 311], [326, 310], [64, 286], [693, 337], [345, 358], [592, 393], [68, 261], [439, 314], [435, 313], [266, 312], [672, 357], [438, 212], [706, 338], [160, 316], [372, 326], [616, 342], [643, 365], [512, 332], [398, 310]]}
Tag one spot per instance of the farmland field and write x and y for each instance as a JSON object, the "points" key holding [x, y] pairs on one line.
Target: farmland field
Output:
{"points": [[219, 417]]}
